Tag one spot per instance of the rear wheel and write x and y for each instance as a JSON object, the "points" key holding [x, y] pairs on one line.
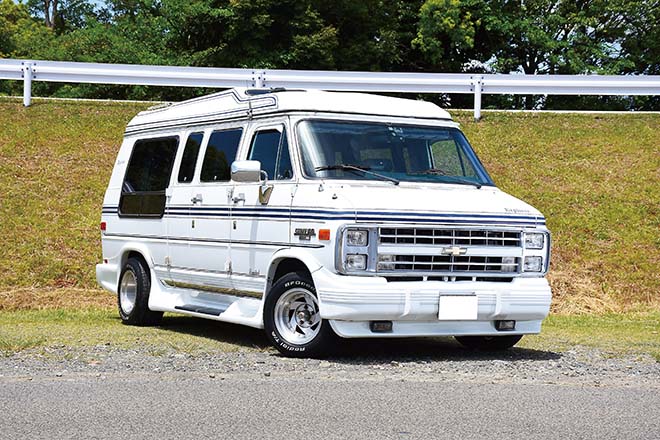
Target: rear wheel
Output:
{"points": [[133, 295], [489, 342], [292, 319]]}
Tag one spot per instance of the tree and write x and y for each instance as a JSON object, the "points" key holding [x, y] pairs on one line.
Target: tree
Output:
{"points": [[47, 8], [21, 36], [446, 32], [63, 15], [641, 42]]}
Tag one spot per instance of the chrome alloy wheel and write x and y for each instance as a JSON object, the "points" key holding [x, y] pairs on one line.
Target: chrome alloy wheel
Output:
{"points": [[128, 292], [297, 316]]}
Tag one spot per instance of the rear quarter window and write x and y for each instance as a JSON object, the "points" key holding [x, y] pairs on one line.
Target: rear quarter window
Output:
{"points": [[147, 176]]}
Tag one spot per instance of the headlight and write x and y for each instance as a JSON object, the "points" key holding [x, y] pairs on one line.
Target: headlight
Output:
{"points": [[534, 240], [356, 262], [356, 250], [357, 237], [533, 264]]}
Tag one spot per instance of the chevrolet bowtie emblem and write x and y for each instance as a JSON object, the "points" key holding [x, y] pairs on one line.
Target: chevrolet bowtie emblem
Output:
{"points": [[454, 251]]}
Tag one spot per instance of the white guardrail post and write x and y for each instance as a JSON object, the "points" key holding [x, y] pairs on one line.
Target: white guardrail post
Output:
{"points": [[27, 83], [477, 86], [258, 79]]}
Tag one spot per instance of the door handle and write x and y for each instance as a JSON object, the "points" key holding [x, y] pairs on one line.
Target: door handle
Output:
{"points": [[196, 199], [239, 198]]}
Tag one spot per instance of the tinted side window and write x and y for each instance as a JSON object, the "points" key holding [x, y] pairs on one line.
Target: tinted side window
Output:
{"points": [[189, 159], [220, 153], [270, 147], [284, 168], [147, 176], [265, 145]]}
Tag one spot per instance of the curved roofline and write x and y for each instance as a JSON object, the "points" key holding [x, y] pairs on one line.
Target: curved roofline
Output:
{"points": [[237, 103]]}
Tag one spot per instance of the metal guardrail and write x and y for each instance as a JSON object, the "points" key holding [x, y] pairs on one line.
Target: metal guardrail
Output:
{"points": [[476, 84]]}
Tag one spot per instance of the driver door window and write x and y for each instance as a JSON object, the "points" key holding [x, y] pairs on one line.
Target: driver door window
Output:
{"points": [[270, 147]]}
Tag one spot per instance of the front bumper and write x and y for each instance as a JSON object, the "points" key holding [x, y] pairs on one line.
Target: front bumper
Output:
{"points": [[350, 302]]}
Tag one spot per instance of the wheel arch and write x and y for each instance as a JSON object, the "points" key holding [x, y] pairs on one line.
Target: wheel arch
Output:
{"points": [[287, 261], [139, 251]]}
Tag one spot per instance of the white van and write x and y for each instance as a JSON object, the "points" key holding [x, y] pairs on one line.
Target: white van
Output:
{"points": [[316, 215]]}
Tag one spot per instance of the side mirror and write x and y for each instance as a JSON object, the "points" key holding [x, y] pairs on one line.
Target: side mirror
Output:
{"points": [[246, 171]]}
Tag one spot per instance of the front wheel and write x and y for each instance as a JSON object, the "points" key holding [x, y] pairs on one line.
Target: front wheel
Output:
{"points": [[489, 343], [292, 319]]}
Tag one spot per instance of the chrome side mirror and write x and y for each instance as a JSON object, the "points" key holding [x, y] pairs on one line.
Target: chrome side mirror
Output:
{"points": [[246, 171]]}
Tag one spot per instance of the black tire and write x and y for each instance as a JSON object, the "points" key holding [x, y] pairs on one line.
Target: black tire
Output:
{"points": [[139, 314], [489, 343], [325, 340]]}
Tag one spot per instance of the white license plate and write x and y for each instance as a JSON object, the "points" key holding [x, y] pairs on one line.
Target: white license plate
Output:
{"points": [[458, 307]]}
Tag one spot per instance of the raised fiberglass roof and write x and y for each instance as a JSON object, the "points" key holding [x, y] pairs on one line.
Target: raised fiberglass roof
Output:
{"points": [[238, 102]]}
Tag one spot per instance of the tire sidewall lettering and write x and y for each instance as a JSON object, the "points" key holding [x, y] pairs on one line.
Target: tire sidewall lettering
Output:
{"points": [[299, 283]]}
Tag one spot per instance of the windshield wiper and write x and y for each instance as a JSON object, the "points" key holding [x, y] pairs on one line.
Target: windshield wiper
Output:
{"points": [[356, 168], [452, 179]]}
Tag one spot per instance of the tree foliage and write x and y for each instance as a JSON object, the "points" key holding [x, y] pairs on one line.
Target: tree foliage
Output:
{"points": [[527, 36]]}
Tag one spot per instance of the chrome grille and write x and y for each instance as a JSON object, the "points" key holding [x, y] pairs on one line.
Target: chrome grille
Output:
{"points": [[453, 264], [449, 237], [449, 252]]}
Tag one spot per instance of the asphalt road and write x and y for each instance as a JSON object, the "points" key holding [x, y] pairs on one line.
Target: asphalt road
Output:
{"points": [[292, 406]]}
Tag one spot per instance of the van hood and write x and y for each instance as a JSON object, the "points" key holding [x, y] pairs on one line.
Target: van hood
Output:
{"points": [[444, 204]]}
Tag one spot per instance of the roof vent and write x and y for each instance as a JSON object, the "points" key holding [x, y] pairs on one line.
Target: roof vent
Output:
{"points": [[255, 92], [264, 91], [160, 106]]}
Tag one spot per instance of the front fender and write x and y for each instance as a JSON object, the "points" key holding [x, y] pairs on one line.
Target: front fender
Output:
{"points": [[302, 255]]}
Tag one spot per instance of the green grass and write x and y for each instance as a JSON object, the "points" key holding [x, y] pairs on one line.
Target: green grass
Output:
{"points": [[55, 162], [23, 329], [595, 177], [614, 335]]}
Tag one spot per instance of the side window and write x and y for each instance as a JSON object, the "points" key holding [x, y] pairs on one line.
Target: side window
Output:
{"points": [[189, 159], [220, 153], [271, 148], [284, 168], [147, 175]]}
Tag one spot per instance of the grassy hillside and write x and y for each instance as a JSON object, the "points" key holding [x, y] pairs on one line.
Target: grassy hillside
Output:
{"points": [[595, 177]]}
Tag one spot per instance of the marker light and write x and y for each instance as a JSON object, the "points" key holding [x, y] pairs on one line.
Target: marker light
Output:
{"points": [[508, 264], [505, 325], [386, 262]]}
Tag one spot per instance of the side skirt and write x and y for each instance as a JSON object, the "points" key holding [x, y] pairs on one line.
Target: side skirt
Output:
{"points": [[218, 304]]}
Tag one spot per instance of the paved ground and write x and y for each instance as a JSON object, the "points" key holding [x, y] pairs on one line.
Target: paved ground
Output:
{"points": [[394, 389], [188, 406]]}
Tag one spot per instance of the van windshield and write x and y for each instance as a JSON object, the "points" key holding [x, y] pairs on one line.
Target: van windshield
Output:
{"points": [[340, 149]]}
